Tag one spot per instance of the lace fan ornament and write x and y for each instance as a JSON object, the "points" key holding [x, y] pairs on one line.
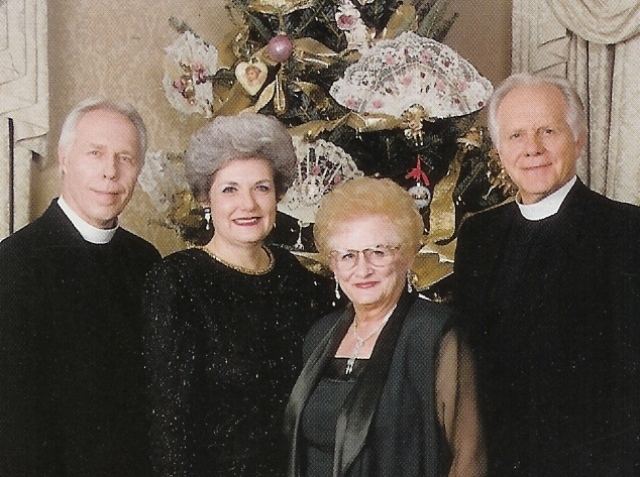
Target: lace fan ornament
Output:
{"points": [[161, 177], [321, 166], [410, 70], [189, 65]]}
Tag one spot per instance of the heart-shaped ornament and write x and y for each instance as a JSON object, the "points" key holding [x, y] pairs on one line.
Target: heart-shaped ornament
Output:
{"points": [[251, 75]]}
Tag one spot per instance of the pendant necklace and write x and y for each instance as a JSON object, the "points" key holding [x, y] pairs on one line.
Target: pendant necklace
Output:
{"points": [[360, 341]]}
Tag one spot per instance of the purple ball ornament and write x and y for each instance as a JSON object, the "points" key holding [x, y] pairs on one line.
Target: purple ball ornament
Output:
{"points": [[280, 48]]}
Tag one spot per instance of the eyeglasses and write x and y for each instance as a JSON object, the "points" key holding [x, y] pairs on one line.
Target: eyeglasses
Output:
{"points": [[377, 256]]}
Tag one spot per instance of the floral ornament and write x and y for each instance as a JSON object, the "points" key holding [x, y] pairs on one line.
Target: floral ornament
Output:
{"points": [[347, 16], [189, 66], [358, 36], [394, 75]]}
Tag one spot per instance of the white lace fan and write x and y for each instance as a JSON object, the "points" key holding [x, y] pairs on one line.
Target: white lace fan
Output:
{"points": [[162, 178], [395, 74], [321, 166]]}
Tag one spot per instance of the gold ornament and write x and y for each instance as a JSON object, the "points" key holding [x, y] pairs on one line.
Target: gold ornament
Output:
{"points": [[403, 19], [184, 210], [435, 259], [365, 122], [413, 118], [279, 95], [360, 122], [473, 139], [279, 7], [442, 218], [313, 53], [236, 100], [429, 269], [265, 97], [314, 92], [313, 261], [498, 177]]}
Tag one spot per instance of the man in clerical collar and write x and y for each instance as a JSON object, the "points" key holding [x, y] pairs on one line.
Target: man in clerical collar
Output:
{"points": [[72, 395], [548, 290]]}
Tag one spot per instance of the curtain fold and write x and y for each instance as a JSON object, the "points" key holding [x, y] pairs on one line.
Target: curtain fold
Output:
{"points": [[24, 97], [599, 21]]}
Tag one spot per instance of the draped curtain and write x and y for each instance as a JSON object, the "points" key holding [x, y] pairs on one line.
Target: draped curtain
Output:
{"points": [[24, 104], [596, 45]]}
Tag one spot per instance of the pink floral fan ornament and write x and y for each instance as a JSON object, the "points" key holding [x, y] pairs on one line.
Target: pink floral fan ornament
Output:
{"points": [[409, 70], [190, 64], [321, 166]]}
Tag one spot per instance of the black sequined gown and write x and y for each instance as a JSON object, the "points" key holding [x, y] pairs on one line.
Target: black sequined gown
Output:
{"points": [[223, 352]]}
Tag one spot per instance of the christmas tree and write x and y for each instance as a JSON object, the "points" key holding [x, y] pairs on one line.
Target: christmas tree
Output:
{"points": [[366, 87]]}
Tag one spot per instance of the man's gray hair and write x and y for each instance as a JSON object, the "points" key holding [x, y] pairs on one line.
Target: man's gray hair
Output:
{"points": [[576, 116], [68, 130], [245, 136]]}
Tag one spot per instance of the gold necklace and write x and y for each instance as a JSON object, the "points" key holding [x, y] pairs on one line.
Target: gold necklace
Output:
{"points": [[238, 268]]}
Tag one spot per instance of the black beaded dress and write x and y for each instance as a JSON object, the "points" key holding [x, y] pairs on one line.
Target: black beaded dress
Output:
{"points": [[223, 350]]}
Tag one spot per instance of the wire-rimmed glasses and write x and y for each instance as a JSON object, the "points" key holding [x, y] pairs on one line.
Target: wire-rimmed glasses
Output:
{"points": [[376, 256]]}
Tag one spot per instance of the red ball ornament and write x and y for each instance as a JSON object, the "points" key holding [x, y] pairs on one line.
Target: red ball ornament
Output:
{"points": [[280, 48]]}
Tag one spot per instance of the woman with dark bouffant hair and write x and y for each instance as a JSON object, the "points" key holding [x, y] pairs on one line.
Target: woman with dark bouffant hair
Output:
{"points": [[225, 321]]}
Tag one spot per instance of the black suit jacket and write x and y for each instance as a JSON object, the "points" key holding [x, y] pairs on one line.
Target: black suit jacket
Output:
{"points": [[71, 374], [559, 385]]}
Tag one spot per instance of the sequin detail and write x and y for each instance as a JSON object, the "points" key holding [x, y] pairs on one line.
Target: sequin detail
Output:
{"points": [[223, 350]]}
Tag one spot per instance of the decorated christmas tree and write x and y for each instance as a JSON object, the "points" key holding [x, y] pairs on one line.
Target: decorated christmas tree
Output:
{"points": [[366, 87]]}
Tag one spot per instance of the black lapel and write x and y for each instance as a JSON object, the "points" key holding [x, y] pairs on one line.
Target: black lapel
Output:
{"points": [[358, 411], [308, 379]]}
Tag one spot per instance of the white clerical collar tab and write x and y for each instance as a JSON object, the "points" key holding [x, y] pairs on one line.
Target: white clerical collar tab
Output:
{"points": [[548, 206], [89, 232]]}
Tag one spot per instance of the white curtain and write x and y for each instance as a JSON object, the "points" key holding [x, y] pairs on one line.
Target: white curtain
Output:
{"points": [[596, 45], [24, 101]]}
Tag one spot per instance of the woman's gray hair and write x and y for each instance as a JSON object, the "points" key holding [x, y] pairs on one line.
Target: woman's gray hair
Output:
{"points": [[245, 136], [68, 130], [575, 114]]}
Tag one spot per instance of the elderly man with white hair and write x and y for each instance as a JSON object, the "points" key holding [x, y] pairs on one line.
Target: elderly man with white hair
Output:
{"points": [[71, 374], [548, 289]]}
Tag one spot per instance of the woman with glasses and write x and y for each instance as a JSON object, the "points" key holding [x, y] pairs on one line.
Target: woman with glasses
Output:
{"points": [[387, 389]]}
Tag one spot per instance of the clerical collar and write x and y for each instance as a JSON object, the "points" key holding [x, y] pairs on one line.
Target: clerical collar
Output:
{"points": [[89, 232], [548, 206]]}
